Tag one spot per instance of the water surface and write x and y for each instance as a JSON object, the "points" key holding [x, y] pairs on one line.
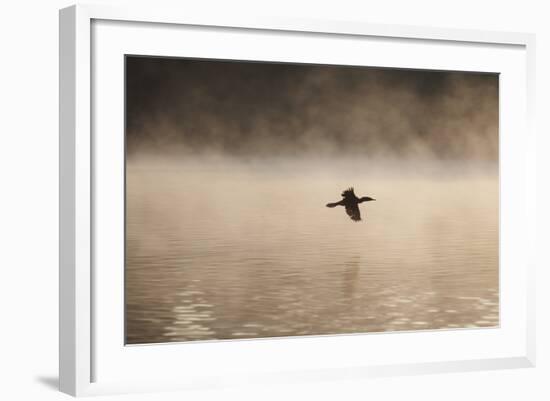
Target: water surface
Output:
{"points": [[224, 250]]}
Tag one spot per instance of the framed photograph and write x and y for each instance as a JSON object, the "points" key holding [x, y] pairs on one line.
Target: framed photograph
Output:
{"points": [[276, 200]]}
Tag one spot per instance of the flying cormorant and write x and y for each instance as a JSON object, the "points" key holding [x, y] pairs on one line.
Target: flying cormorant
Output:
{"points": [[351, 202]]}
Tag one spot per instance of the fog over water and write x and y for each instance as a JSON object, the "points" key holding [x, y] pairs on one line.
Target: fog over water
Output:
{"points": [[230, 165], [258, 109]]}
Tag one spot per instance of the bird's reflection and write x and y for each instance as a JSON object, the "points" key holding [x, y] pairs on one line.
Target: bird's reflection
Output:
{"points": [[350, 276]]}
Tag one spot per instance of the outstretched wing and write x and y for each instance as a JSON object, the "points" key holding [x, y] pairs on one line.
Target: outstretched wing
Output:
{"points": [[353, 212], [335, 204], [348, 193]]}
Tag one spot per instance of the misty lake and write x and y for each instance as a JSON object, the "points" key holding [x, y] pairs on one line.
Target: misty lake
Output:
{"points": [[227, 250]]}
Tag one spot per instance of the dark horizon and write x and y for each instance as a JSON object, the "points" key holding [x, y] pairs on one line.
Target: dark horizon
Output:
{"points": [[240, 108]]}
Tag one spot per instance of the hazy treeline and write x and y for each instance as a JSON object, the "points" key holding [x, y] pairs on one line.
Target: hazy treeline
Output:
{"points": [[183, 106]]}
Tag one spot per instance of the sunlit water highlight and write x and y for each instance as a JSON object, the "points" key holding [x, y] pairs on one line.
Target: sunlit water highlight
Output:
{"points": [[226, 251]]}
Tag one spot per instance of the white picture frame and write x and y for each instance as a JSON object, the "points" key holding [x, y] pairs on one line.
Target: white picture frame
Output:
{"points": [[85, 350]]}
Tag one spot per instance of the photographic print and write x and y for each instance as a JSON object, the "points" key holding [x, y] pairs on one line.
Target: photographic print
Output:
{"points": [[278, 199]]}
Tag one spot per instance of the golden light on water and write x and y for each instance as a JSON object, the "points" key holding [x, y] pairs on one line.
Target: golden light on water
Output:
{"points": [[230, 250]]}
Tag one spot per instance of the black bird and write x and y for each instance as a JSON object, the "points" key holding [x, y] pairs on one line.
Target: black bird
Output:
{"points": [[351, 202]]}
